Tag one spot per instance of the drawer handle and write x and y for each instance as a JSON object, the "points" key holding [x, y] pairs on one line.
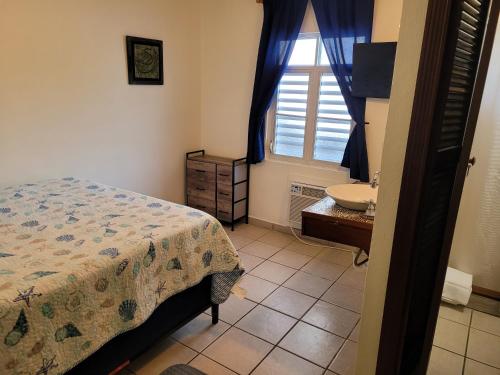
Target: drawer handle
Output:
{"points": [[224, 212], [199, 171], [226, 194], [200, 189], [224, 174], [202, 207]]}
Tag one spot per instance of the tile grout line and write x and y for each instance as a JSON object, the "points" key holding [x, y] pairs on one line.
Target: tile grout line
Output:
{"points": [[296, 322], [281, 285], [464, 356], [297, 319], [336, 355], [247, 313], [302, 316], [483, 363], [320, 299], [301, 270], [290, 316], [300, 319], [211, 359], [347, 339], [316, 298], [338, 352], [287, 314], [467, 342], [454, 321], [471, 327], [448, 350], [231, 325], [274, 346], [482, 330]]}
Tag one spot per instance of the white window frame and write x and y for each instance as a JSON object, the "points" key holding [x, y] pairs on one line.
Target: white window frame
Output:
{"points": [[315, 72]]}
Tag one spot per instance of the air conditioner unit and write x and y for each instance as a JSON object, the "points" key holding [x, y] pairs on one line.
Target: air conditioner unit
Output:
{"points": [[301, 197]]}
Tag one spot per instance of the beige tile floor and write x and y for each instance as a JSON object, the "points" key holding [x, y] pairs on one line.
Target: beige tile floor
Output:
{"points": [[466, 342], [301, 316]]}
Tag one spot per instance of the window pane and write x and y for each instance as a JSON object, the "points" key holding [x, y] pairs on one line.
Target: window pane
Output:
{"points": [[292, 94], [333, 124], [291, 115], [289, 139], [323, 57], [304, 52]]}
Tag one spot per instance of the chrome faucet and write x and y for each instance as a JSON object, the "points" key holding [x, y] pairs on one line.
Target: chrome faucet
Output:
{"points": [[375, 180]]}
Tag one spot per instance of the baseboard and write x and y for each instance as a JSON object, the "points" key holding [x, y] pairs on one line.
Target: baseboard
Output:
{"points": [[267, 224], [285, 229], [486, 292]]}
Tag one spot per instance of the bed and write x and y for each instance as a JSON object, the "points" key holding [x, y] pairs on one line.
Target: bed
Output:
{"points": [[90, 275]]}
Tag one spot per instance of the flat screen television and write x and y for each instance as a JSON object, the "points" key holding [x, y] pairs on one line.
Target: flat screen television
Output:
{"points": [[372, 68]]}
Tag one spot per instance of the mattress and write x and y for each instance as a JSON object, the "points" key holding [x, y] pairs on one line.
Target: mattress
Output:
{"points": [[81, 262]]}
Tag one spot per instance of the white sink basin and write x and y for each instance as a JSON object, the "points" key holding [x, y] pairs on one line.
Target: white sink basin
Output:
{"points": [[353, 196]]}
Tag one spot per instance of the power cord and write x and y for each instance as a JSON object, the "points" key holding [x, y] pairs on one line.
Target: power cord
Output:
{"points": [[355, 255]]}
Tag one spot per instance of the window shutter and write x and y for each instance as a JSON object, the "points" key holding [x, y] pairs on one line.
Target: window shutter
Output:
{"points": [[333, 123], [291, 114]]}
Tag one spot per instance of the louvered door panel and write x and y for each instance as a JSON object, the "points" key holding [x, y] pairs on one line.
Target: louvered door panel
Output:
{"points": [[454, 93], [465, 57], [432, 180]]}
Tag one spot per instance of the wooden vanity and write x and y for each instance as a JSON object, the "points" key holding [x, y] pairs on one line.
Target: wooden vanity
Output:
{"points": [[327, 221]]}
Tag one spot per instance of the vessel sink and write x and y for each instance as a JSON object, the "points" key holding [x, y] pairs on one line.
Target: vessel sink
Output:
{"points": [[353, 196]]}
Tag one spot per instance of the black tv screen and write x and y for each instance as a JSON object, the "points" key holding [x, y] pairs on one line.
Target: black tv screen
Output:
{"points": [[372, 68]]}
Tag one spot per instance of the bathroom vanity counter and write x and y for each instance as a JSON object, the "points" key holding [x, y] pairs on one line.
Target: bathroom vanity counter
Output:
{"points": [[327, 221]]}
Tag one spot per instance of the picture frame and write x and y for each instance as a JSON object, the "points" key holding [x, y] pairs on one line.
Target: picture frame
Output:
{"points": [[144, 61]]}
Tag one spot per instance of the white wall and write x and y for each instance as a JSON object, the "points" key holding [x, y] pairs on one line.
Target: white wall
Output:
{"points": [[230, 40], [386, 20], [396, 135], [65, 104], [66, 107], [476, 242]]}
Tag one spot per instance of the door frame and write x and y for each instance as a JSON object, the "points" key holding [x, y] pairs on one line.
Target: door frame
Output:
{"points": [[402, 281]]}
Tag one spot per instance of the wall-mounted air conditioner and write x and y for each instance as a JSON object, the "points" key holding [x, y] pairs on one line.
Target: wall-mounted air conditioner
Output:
{"points": [[301, 197]]}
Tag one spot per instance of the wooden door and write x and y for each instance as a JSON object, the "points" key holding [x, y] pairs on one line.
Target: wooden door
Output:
{"points": [[457, 42]]}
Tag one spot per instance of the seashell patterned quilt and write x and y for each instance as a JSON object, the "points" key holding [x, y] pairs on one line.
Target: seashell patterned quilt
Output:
{"points": [[82, 262]]}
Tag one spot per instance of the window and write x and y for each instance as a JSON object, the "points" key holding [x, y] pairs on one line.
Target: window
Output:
{"points": [[309, 117]]}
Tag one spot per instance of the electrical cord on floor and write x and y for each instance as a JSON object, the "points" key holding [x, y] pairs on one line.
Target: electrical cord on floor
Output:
{"points": [[356, 262], [355, 255]]}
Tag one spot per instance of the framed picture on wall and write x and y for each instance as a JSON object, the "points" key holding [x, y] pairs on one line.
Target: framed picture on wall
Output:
{"points": [[145, 61]]}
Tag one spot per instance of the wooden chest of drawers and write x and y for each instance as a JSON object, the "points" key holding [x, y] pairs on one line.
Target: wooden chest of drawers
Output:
{"points": [[218, 186]]}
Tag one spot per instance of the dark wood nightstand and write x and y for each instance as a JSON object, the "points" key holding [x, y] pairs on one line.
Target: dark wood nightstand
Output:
{"points": [[327, 221]]}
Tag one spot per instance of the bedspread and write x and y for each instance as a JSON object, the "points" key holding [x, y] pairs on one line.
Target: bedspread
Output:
{"points": [[82, 262]]}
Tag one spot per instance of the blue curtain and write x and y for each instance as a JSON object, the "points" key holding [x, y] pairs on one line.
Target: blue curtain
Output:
{"points": [[282, 22], [341, 24]]}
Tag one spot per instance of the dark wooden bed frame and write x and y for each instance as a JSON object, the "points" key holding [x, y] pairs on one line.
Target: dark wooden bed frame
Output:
{"points": [[167, 318]]}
